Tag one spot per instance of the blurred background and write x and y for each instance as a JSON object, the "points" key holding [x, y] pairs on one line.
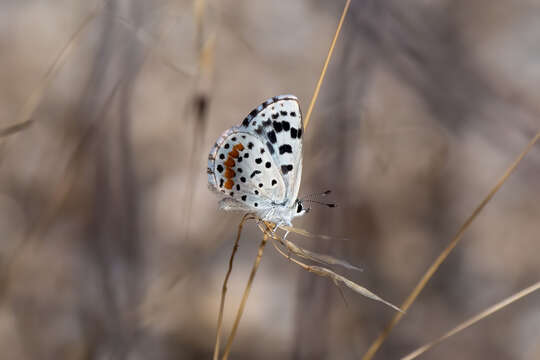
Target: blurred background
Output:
{"points": [[112, 247]]}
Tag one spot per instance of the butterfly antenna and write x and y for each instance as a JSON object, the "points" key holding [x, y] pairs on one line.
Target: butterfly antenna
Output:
{"points": [[330, 205], [324, 193]]}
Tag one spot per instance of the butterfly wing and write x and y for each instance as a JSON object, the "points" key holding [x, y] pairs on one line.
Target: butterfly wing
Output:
{"points": [[241, 167], [278, 123]]}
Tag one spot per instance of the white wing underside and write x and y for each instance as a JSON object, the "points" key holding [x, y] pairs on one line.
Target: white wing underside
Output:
{"points": [[258, 165]]}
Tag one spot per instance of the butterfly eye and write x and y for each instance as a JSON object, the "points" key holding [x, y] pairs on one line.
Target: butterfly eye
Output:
{"points": [[299, 208]]}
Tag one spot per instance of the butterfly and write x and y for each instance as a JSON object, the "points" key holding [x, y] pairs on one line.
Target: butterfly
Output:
{"points": [[257, 165]]}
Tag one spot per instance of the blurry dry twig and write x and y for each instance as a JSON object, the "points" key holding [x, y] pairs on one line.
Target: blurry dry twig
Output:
{"points": [[24, 117], [487, 312], [150, 41], [15, 128], [440, 259], [60, 193], [200, 100]]}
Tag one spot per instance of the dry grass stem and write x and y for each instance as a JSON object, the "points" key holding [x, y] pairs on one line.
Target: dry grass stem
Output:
{"points": [[316, 257], [474, 320], [325, 66], [310, 235], [15, 128], [440, 259], [336, 278], [225, 281], [244, 298]]}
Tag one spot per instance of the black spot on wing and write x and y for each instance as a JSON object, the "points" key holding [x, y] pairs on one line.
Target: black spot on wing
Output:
{"points": [[267, 165], [299, 133], [272, 136], [275, 116], [244, 197], [285, 148], [258, 160], [286, 125], [292, 113], [259, 130], [270, 147], [294, 133], [250, 145], [277, 126], [267, 123], [274, 182], [255, 172], [219, 168], [286, 168], [284, 113]]}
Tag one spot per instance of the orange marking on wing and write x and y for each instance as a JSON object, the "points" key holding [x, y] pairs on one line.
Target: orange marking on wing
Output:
{"points": [[229, 162], [229, 173], [238, 147], [234, 153], [229, 184]]}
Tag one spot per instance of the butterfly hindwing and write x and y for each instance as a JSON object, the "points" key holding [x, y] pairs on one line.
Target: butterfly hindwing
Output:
{"points": [[241, 167]]}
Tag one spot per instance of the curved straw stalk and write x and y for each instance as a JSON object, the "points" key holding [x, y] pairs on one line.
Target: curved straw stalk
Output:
{"points": [[440, 259], [489, 311], [268, 225]]}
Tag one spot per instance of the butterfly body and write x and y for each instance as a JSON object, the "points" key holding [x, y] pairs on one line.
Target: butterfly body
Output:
{"points": [[257, 165]]}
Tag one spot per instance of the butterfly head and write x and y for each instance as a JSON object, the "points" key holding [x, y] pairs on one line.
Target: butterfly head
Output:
{"points": [[299, 208]]}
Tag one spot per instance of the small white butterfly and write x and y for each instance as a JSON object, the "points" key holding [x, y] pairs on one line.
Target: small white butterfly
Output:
{"points": [[258, 164]]}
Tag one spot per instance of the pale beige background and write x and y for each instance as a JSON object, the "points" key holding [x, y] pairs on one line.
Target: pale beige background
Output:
{"points": [[112, 247]]}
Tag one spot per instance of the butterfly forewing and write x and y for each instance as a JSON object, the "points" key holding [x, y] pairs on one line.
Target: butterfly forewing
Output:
{"points": [[278, 123]]}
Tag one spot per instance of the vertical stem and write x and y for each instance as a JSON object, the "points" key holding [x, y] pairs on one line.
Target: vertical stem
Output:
{"points": [[244, 297], [325, 66], [224, 289]]}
